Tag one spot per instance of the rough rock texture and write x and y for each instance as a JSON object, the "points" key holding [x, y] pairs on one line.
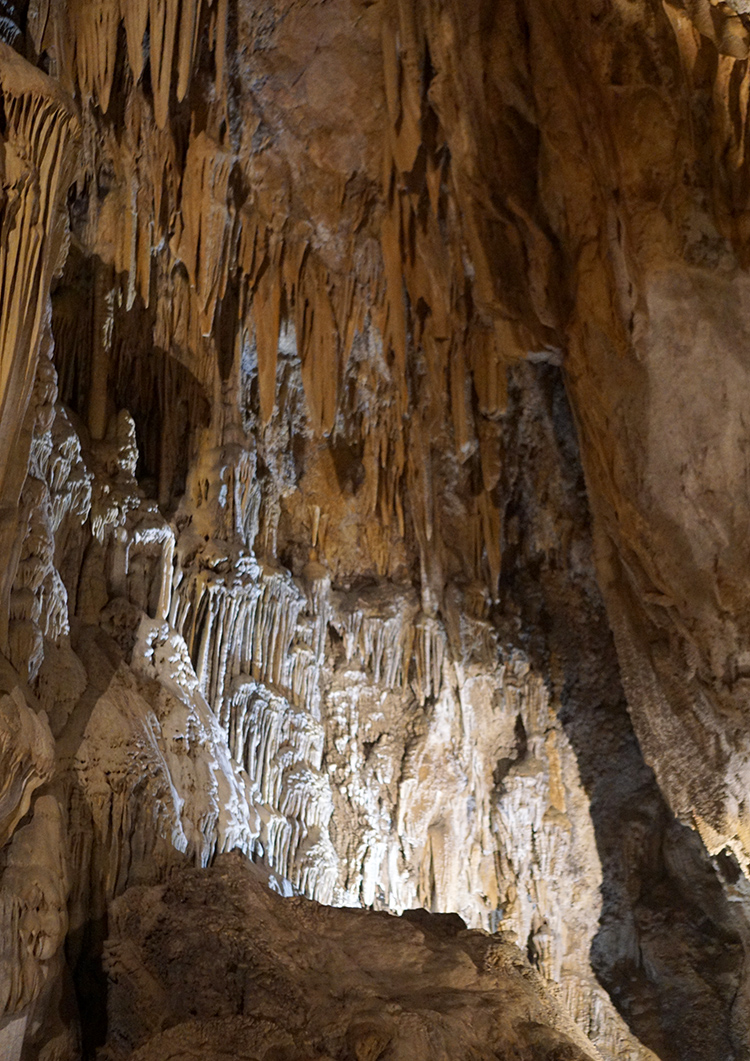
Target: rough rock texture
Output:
{"points": [[418, 987], [323, 328]]}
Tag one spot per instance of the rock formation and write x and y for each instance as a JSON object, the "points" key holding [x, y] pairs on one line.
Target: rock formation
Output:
{"points": [[372, 485], [422, 987]]}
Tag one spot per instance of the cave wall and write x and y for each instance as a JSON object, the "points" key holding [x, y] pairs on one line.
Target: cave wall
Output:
{"points": [[361, 366]]}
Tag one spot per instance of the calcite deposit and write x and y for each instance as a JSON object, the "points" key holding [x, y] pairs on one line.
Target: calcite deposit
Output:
{"points": [[373, 503]]}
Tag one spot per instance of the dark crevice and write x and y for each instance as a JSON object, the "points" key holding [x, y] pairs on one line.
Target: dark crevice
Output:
{"points": [[520, 749], [669, 949], [168, 403]]}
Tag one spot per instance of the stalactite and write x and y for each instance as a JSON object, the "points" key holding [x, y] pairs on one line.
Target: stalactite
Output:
{"points": [[250, 629], [430, 650], [202, 244], [163, 31], [267, 317], [101, 347], [134, 14], [463, 428], [378, 633], [395, 324], [319, 346], [94, 27], [39, 136], [489, 369]]}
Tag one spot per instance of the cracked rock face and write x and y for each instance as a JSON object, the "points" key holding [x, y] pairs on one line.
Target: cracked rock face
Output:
{"points": [[372, 506]]}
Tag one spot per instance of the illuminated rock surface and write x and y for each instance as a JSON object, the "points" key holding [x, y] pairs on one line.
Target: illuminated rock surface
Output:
{"points": [[373, 500]]}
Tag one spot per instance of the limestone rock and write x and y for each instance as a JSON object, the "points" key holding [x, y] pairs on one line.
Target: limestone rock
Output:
{"points": [[289, 978]]}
